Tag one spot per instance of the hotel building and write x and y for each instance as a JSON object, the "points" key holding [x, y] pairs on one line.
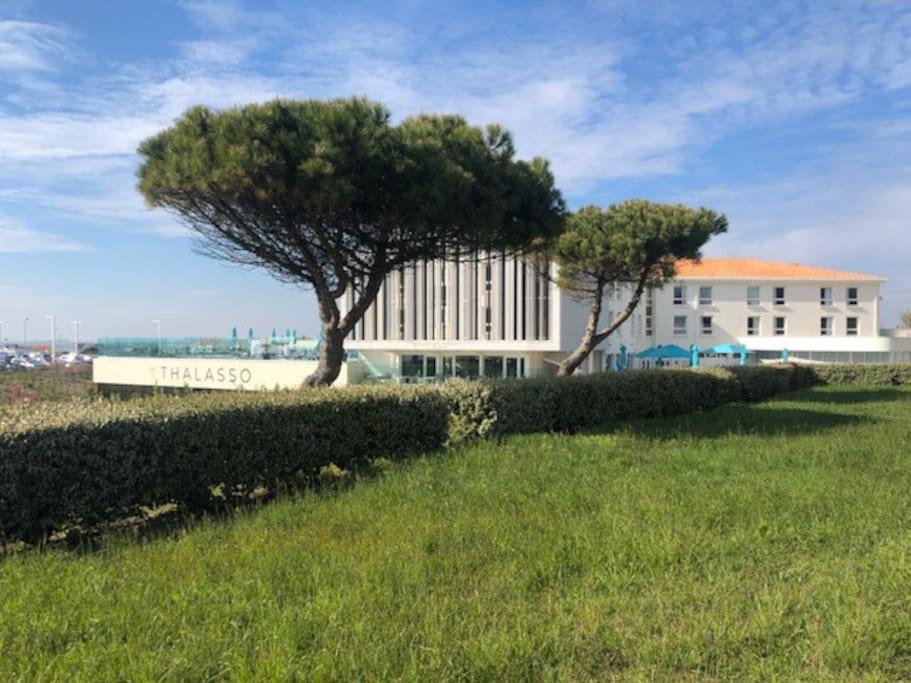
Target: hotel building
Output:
{"points": [[496, 316]]}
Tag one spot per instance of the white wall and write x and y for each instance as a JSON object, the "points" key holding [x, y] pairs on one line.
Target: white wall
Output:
{"points": [[210, 373]]}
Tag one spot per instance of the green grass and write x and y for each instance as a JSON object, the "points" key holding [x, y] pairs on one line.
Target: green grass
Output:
{"points": [[752, 543]]}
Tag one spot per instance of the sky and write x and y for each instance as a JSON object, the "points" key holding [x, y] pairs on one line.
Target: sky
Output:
{"points": [[793, 118]]}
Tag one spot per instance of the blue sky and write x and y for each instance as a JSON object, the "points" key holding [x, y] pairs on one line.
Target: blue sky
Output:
{"points": [[793, 118]]}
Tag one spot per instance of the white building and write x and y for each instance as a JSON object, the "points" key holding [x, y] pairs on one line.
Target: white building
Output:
{"points": [[495, 316]]}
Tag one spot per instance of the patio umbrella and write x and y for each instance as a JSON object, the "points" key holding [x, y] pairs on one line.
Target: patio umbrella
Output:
{"points": [[726, 349], [784, 355], [694, 355]]}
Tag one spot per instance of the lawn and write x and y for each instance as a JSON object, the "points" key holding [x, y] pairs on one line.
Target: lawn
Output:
{"points": [[750, 543]]}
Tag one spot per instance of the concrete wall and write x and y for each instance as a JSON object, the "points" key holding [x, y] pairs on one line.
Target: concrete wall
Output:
{"points": [[211, 373]]}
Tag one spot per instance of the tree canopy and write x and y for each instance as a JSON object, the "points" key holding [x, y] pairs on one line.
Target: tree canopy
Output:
{"points": [[635, 243], [333, 196]]}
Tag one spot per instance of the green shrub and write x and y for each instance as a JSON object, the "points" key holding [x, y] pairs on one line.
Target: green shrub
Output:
{"points": [[82, 463], [867, 375], [86, 462]]}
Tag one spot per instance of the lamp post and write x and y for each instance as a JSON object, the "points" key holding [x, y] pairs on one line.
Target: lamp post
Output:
{"points": [[1, 331], [76, 324], [53, 337], [25, 333], [157, 324]]}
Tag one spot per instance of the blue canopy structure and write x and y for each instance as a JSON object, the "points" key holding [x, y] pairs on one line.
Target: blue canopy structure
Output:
{"points": [[727, 349], [669, 351], [784, 355], [694, 355], [622, 358]]}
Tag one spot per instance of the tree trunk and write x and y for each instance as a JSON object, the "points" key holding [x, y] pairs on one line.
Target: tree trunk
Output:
{"points": [[569, 364], [591, 338], [331, 356]]}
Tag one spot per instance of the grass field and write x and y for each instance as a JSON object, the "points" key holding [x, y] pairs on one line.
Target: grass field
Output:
{"points": [[752, 543]]}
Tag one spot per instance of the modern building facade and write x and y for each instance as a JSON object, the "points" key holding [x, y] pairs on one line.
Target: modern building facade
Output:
{"points": [[497, 316]]}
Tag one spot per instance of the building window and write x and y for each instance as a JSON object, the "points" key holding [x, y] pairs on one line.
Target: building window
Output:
{"points": [[825, 296], [753, 326], [493, 367], [444, 295], [412, 366], [851, 330], [650, 313], [401, 303], [680, 325], [502, 290], [852, 296], [779, 299], [825, 326], [488, 292], [705, 296], [679, 295], [706, 324], [752, 296], [545, 301], [779, 326]]}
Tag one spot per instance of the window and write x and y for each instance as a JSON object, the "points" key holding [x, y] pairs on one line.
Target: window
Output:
{"points": [[778, 299], [852, 296], [705, 296], [412, 366], [753, 326], [752, 296], [680, 325], [706, 324], [779, 326], [825, 326], [851, 330], [649, 314], [825, 296], [493, 366], [679, 295]]}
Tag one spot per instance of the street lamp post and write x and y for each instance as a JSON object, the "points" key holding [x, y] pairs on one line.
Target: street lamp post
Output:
{"points": [[1, 331], [157, 324], [24, 333], [53, 337], [76, 324]]}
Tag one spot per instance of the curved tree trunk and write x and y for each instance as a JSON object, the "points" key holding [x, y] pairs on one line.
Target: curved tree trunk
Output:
{"points": [[569, 364], [591, 338], [331, 356]]}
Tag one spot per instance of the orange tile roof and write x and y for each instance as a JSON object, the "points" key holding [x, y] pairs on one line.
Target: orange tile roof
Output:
{"points": [[749, 268]]}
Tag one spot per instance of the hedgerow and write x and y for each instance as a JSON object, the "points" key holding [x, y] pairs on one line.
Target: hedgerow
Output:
{"points": [[82, 463], [869, 375]]}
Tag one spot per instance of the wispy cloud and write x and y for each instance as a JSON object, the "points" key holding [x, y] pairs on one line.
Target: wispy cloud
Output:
{"points": [[16, 238], [31, 46]]}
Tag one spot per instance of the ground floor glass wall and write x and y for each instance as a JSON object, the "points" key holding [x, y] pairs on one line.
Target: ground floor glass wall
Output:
{"points": [[417, 367]]}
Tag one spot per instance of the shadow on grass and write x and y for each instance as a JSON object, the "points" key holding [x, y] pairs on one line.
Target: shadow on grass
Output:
{"points": [[726, 422], [854, 395]]}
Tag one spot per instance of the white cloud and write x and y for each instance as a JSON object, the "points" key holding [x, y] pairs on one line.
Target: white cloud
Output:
{"points": [[16, 238], [31, 46]]}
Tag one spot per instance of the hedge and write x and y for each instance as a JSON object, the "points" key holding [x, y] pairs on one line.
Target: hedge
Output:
{"points": [[866, 375], [83, 463]]}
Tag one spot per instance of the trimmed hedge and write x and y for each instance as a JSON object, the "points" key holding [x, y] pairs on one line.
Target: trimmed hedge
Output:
{"points": [[866, 375], [83, 463]]}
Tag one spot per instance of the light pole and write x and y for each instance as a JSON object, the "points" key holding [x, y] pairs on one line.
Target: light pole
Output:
{"points": [[1, 331], [76, 324], [53, 337], [157, 324], [24, 333]]}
